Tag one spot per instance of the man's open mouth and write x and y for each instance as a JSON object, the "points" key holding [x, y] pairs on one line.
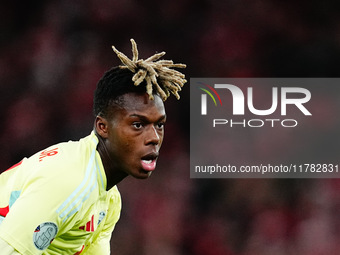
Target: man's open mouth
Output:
{"points": [[149, 161]]}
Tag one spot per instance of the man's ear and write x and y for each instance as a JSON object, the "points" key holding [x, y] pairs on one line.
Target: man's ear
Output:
{"points": [[101, 126]]}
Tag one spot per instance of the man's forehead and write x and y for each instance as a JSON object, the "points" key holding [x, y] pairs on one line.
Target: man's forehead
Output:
{"points": [[133, 103], [131, 100]]}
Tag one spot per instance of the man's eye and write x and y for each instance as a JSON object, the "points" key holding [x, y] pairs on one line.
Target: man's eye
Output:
{"points": [[137, 125], [160, 125]]}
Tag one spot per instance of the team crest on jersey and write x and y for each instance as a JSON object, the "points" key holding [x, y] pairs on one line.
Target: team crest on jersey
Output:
{"points": [[101, 216], [44, 234]]}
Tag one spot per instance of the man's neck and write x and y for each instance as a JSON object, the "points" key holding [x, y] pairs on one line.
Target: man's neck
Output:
{"points": [[113, 175]]}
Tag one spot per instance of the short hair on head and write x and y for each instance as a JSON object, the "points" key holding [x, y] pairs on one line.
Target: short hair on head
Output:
{"points": [[151, 76], [113, 84]]}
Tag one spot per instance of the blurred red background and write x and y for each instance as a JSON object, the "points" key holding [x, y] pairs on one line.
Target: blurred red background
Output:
{"points": [[52, 53]]}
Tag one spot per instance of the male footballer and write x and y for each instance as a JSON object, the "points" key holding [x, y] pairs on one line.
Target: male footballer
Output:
{"points": [[64, 199]]}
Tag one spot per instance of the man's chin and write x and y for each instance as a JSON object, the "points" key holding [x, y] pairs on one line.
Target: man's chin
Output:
{"points": [[142, 174]]}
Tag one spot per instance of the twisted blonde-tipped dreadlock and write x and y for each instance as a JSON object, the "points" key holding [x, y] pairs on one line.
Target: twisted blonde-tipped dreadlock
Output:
{"points": [[157, 73]]}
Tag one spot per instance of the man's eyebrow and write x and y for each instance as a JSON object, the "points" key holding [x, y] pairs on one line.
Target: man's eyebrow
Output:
{"points": [[145, 119]]}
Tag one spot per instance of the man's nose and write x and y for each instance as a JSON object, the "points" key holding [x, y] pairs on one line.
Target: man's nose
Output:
{"points": [[152, 136]]}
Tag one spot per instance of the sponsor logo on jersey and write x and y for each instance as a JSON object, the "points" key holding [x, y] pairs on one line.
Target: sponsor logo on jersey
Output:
{"points": [[89, 227]]}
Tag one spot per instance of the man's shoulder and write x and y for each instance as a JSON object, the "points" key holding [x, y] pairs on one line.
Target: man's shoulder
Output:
{"points": [[71, 153], [64, 164]]}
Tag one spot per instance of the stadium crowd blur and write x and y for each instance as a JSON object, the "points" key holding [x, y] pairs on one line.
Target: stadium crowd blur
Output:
{"points": [[52, 53]]}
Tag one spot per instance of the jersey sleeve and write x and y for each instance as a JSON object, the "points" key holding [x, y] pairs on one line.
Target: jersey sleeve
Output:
{"points": [[33, 220], [7, 249]]}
